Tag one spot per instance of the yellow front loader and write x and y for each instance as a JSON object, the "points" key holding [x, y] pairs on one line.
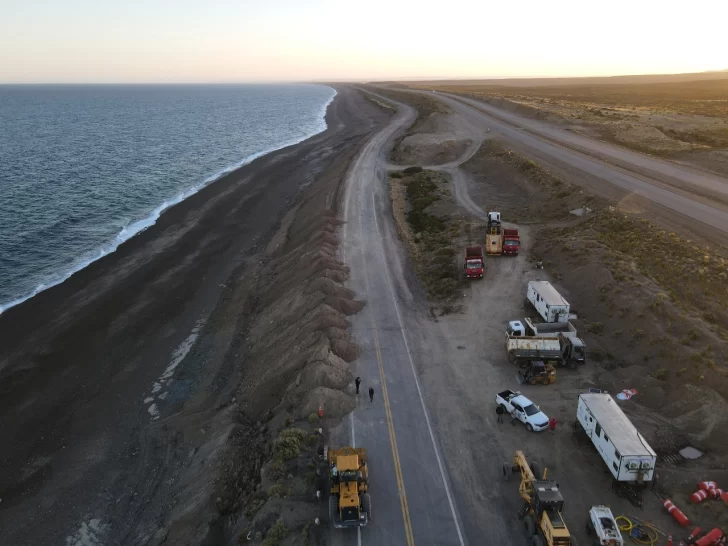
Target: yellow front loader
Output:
{"points": [[349, 501], [543, 504]]}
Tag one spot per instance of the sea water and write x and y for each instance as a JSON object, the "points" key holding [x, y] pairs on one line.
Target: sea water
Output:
{"points": [[84, 168]]}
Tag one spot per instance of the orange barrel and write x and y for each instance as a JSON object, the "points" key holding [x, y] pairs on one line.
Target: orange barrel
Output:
{"points": [[699, 496], [707, 486], [675, 512], [709, 538], [716, 493], [694, 534]]}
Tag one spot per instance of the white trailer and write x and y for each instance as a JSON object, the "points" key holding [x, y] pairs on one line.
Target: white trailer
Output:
{"points": [[624, 450], [547, 301]]}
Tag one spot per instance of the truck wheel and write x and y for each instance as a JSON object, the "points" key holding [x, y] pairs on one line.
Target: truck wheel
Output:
{"points": [[507, 471], [529, 427], [512, 357], [366, 502], [529, 525], [536, 469], [545, 380], [333, 508], [532, 381], [538, 541]]}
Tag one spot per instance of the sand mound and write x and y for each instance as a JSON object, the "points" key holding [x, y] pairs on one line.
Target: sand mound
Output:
{"points": [[334, 403]]}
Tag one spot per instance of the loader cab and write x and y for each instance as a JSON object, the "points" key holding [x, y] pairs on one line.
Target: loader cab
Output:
{"points": [[548, 500]]}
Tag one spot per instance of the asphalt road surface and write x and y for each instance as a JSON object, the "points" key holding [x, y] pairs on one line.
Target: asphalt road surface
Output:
{"points": [[412, 501], [696, 195]]}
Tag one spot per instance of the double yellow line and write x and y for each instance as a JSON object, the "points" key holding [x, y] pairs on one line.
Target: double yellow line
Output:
{"points": [[393, 440]]}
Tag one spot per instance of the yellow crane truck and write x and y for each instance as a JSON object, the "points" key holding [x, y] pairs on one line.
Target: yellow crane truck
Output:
{"points": [[349, 501], [545, 526]]}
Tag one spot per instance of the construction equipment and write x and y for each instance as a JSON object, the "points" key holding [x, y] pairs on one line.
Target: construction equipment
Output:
{"points": [[474, 266], [543, 504], [494, 235], [349, 502], [538, 372]]}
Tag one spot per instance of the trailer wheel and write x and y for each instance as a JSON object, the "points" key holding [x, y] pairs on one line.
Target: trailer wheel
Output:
{"points": [[538, 541], [507, 471], [529, 525]]}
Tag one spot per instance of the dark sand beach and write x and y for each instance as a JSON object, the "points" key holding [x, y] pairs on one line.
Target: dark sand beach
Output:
{"points": [[82, 455]]}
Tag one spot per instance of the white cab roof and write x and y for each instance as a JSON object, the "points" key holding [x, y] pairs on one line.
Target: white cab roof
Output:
{"points": [[549, 294], [616, 425]]}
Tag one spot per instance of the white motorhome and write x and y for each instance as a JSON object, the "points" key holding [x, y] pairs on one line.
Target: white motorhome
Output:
{"points": [[547, 301], [624, 450]]}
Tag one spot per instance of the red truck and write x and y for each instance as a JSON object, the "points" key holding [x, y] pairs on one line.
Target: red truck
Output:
{"points": [[474, 265], [511, 242]]}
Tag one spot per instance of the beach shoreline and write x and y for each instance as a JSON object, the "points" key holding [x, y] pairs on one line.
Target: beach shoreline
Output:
{"points": [[141, 224], [79, 362]]}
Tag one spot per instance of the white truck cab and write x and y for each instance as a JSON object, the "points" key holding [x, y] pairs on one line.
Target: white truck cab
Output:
{"points": [[602, 527]]}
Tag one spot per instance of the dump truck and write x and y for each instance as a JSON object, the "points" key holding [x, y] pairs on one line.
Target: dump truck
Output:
{"points": [[474, 265], [511, 242], [544, 504], [349, 501], [573, 348], [494, 235], [547, 301], [521, 350]]}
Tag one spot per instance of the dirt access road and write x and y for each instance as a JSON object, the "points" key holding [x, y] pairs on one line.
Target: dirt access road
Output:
{"points": [[668, 190]]}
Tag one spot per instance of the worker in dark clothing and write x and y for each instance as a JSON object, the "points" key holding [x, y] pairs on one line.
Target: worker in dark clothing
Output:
{"points": [[499, 411], [371, 394], [357, 382]]}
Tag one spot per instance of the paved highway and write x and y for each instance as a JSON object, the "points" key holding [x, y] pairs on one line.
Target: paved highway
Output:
{"points": [[412, 501], [661, 182]]}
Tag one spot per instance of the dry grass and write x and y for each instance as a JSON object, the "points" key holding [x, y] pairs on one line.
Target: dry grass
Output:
{"points": [[706, 98], [431, 239]]}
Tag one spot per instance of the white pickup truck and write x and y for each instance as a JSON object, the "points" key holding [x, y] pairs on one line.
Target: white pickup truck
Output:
{"points": [[528, 413]]}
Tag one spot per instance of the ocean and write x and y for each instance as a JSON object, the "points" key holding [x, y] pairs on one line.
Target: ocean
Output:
{"points": [[84, 168]]}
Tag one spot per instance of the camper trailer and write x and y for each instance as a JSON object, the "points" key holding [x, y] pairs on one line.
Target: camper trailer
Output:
{"points": [[547, 301], [626, 453]]}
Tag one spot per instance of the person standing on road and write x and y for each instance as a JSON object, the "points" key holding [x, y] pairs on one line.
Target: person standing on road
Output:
{"points": [[371, 394], [499, 412], [357, 382]]}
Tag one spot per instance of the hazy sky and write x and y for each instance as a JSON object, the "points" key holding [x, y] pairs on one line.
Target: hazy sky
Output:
{"points": [[241, 40]]}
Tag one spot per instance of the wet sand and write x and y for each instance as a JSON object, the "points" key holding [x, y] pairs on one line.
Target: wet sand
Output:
{"points": [[77, 362]]}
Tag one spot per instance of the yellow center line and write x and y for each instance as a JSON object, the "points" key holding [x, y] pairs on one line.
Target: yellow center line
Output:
{"points": [[393, 440]]}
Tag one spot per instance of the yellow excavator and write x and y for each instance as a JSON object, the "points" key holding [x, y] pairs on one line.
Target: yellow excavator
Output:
{"points": [[541, 513], [349, 501]]}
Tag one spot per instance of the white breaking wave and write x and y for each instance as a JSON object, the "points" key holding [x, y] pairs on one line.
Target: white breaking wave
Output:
{"points": [[134, 228]]}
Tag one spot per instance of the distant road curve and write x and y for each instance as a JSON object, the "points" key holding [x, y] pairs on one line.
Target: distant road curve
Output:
{"points": [[695, 194]]}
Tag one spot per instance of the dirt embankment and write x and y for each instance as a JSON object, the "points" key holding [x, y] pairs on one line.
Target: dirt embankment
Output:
{"points": [[432, 139], [685, 121]]}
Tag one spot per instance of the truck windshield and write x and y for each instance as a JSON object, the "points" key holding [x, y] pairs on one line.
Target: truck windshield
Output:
{"points": [[474, 264], [531, 410], [510, 242]]}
